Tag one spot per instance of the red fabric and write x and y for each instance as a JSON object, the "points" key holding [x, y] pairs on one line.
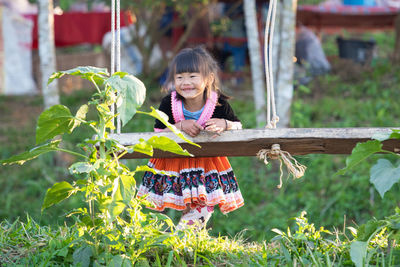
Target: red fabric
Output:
{"points": [[347, 9], [73, 28], [349, 17]]}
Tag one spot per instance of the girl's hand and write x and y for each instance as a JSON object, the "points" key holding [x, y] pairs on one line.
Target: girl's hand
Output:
{"points": [[216, 125], [191, 127]]}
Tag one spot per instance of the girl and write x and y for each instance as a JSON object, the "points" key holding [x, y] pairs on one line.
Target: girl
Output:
{"points": [[195, 185]]}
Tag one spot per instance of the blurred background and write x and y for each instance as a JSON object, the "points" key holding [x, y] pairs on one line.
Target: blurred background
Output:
{"points": [[337, 60]]}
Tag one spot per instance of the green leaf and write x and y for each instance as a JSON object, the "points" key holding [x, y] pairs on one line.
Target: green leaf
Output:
{"points": [[85, 72], [365, 231], [361, 152], [167, 144], [54, 121], [57, 193], [82, 256], [80, 167], [120, 261], [143, 147], [395, 134], [358, 251], [145, 168], [81, 114], [123, 192], [33, 153], [131, 94], [161, 116], [384, 175]]}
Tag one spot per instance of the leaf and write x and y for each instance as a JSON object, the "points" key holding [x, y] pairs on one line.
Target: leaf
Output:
{"points": [[120, 261], [33, 153], [54, 121], [360, 153], [57, 193], [161, 116], [131, 93], [85, 72], [80, 167], [365, 231], [145, 168], [81, 114], [123, 192], [395, 134], [167, 144], [358, 251], [384, 175], [82, 256], [143, 147]]}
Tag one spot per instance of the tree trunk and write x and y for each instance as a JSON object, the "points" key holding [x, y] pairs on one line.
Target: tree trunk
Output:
{"points": [[47, 52], [257, 73], [283, 53]]}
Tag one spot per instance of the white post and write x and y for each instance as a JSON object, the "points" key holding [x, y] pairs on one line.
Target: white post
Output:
{"points": [[257, 73], [283, 53], [47, 52]]}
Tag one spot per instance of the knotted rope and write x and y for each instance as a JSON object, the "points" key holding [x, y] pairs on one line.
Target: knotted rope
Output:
{"points": [[294, 168], [115, 48]]}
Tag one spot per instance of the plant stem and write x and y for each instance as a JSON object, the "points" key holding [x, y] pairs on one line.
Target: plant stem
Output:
{"points": [[72, 153], [95, 84]]}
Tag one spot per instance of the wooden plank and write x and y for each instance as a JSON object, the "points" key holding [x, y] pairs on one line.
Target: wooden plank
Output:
{"points": [[247, 142]]}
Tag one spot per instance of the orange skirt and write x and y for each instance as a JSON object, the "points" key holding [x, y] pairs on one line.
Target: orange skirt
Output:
{"points": [[191, 182]]}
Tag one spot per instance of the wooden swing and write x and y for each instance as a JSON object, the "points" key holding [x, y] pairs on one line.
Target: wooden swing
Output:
{"points": [[248, 142]]}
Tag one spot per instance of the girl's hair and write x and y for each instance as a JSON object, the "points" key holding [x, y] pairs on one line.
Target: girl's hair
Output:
{"points": [[195, 60]]}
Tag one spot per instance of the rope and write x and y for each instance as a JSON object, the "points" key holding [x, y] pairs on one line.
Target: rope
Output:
{"points": [[115, 49], [118, 54], [294, 168], [268, 44], [112, 51]]}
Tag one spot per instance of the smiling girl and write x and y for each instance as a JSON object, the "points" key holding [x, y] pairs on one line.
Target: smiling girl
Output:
{"points": [[195, 185]]}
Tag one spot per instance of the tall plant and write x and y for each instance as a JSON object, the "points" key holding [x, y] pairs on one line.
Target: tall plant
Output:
{"points": [[113, 216], [385, 233]]}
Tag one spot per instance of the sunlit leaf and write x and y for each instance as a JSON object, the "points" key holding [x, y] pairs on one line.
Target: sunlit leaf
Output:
{"points": [[123, 192], [33, 153], [57, 193], [145, 168], [81, 167], [161, 116], [131, 92], [167, 144], [85, 72], [52, 122], [143, 147], [81, 114], [384, 175], [361, 152], [358, 251]]}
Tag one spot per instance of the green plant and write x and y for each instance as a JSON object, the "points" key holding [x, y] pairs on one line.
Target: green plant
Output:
{"points": [[385, 234], [113, 213], [309, 246]]}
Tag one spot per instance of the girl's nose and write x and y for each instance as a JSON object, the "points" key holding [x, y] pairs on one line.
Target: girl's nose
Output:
{"points": [[186, 80]]}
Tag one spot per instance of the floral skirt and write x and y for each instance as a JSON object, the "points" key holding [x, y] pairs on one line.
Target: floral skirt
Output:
{"points": [[194, 182]]}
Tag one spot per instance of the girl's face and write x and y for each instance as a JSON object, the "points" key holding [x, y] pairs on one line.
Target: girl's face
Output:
{"points": [[190, 85]]}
